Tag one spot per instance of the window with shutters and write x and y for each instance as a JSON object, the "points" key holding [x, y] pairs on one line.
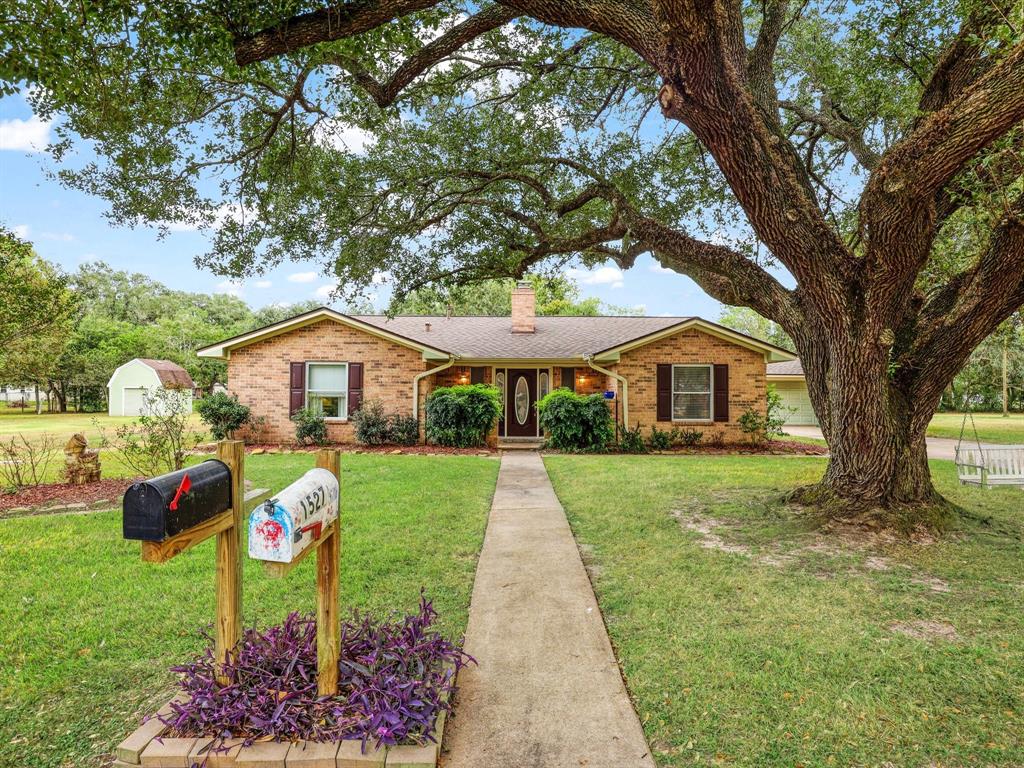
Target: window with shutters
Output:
{"points": [[691, 392], [327, 389]]}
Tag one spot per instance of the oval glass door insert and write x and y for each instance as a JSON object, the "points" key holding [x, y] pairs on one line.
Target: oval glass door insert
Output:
{"points": [[522, 400]]}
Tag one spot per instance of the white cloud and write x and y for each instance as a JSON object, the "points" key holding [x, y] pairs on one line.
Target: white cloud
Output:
{"points": [[379, 278], [229, 287], [601, 276], [21, 230], [302, 277], [30, 135], [639, 309], [660, 270], [325, 291], [264, 283], [220, 215], [343, 137]]}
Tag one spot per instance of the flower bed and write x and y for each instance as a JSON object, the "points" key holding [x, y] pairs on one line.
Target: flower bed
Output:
{"points": [[396, 679]]}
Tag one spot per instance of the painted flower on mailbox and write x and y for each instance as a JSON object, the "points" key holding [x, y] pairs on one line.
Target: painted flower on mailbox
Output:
{"points": [[270, 529], [284, 527]]}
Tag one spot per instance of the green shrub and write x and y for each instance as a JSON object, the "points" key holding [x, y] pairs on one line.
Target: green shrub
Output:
{"points": [[371, 425], [223, 414], [374, 427], [660, 439], [310, 427], [462, 416], [632, 440], [687, 437], [761, 427], [405, 430], [576, 422]]}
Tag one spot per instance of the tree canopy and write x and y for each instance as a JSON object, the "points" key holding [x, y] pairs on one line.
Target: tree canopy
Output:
{"points": [[872, 149]]}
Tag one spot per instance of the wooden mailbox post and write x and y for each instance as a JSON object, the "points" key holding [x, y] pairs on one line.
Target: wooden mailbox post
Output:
{"points": [[303, 518], [172, 513]]}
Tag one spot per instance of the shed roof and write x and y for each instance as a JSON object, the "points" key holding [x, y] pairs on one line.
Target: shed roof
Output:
{"points": [[171, 375]]}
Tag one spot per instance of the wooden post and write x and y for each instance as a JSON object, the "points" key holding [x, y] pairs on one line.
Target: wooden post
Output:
{"points": [[328, 556], [229, 557]]}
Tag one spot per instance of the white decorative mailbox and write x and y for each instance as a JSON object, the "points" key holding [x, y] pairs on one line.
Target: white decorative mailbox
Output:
{"points": [[289, 523]]}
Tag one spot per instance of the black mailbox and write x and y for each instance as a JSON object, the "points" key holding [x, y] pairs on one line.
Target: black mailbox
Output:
{"points": [[157, 509]]}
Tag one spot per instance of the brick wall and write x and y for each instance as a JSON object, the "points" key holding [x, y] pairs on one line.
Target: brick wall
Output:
{"points": [[746, 379], [258, 373]]}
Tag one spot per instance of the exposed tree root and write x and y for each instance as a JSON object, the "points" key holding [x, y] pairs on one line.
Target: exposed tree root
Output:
{"points": [[933, 516]]}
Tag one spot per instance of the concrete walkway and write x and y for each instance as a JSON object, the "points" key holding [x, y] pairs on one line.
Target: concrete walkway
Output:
{"points": [[938, 447], [547, 692]]}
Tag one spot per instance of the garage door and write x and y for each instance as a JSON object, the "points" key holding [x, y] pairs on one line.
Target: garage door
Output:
{"points": [[794, 397], [133, 402]]}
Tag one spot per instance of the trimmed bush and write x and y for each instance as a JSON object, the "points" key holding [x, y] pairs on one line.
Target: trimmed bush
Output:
{"points": [[223, 414], [310, 427], [576, 422], [405, 430], [660, 439], [374, 427], [462, 416]]}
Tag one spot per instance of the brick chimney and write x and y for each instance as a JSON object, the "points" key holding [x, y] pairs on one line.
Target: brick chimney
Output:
{"points": [[523, 308]]}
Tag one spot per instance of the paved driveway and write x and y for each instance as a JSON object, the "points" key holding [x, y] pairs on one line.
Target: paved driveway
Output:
{"points": [[938, 447]]}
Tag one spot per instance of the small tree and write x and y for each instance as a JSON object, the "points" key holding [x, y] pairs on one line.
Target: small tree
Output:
{"points": [[223, 414], [462, 416], [160, 440]]}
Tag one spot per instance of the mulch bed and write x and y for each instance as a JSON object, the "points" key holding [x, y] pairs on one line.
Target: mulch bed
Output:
{"points": [[420, 450], [56, 497], [770, 448]]}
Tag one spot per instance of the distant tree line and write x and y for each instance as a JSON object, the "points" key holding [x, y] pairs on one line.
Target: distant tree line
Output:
{"points": [[66, 334]]}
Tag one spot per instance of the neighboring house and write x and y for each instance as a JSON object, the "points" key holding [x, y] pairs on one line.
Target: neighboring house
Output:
{"points": [[15, 394], [127, 387], [668, 371], [788, 378]]}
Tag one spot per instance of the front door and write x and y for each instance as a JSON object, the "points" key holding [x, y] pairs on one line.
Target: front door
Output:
{"points": [[520, 398]]}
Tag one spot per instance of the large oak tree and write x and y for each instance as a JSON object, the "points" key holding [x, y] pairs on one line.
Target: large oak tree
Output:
{"points": [[871, 149]]}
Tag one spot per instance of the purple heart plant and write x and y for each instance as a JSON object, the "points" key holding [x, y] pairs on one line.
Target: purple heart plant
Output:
{"points": [[395, 677]]}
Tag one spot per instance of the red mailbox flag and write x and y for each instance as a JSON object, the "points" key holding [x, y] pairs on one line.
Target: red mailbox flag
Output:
{"points": [[185, 487]]}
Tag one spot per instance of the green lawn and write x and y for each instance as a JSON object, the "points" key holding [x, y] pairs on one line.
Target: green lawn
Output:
{"points": [[992, 427], [746, 639], [87, 630], [61, 426]]}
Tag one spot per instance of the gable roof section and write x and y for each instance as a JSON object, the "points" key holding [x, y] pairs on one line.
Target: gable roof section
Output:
{"points": [[491, 337], [222, 349], [771, 352], [789, 368]]}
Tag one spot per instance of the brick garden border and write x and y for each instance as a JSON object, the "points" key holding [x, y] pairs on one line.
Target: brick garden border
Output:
{"points": [[147, 749]]}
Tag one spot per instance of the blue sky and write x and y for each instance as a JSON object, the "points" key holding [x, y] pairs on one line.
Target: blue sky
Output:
{"points": [[68, 228]]}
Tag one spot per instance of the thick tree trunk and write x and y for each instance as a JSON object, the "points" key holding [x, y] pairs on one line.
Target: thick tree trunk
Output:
{"points": [[878, 471]]}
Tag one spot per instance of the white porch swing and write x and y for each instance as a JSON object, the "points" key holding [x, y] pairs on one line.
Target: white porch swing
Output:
{"points": [[988, 466]]}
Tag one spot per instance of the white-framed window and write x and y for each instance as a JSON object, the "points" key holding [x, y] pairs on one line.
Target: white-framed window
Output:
{"points": [[543, 384], [327, 389], [692, 392]]}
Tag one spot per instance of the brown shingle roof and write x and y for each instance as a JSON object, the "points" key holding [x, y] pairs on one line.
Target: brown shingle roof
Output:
{"points": [[171, 375], [555, 338], [788, 368]]}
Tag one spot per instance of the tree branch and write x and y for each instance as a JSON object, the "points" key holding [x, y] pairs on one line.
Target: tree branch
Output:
{"points": [[838, 128], [969, 307], [429, 55], [325, 24], [948, 139]]}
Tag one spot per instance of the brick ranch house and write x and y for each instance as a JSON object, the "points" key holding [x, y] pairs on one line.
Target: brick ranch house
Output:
{"points": [[669, 371]]}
